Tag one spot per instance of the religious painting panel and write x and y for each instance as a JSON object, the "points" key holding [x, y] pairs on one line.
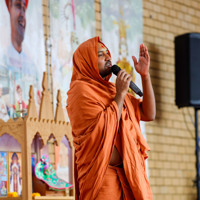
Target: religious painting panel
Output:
{"points": [[15, 172], [122, 28], [22, 55], [72, 22]]}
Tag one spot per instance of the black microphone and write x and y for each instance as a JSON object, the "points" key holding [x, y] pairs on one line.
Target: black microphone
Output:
{"points": [[115, 69]]}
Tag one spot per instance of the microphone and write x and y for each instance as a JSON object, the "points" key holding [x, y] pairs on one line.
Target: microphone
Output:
{"points": [[115, 69]]}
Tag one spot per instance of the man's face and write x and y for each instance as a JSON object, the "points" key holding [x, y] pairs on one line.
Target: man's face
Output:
{"points": [[104, 61], [17, 9]]}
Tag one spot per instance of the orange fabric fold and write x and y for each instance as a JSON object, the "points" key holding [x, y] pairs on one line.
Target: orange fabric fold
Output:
{"points": [[93, 114], [115, 185]]}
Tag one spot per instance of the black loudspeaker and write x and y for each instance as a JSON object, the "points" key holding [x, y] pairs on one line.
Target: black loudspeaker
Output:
{"points": [[187, 70]]}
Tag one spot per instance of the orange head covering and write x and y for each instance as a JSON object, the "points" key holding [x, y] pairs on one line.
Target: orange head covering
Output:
{"points": [[87, 68], [93, 114], [7, 3]]}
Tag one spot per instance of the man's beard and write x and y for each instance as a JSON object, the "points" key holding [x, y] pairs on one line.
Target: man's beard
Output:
{"points": [[106, 73]]}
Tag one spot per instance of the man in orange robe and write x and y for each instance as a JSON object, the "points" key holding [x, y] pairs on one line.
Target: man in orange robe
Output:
{"points": [[110, 150]]}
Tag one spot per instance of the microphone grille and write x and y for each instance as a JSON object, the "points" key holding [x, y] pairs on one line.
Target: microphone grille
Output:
{"points": [[115, 69]]}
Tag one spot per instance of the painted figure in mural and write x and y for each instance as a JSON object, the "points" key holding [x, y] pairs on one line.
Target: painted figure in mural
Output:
{"points": [[15, 179], [17, 10], [21, 70], [110, 150], [20, 107]]}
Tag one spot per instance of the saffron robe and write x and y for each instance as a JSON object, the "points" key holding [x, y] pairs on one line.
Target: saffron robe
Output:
{"points": [[93, 114]]}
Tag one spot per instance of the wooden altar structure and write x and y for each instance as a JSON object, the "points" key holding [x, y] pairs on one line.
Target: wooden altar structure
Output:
{"points": [[25, 129]]}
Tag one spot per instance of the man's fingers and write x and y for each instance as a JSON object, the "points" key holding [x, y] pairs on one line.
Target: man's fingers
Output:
{"points": [[120, 73], [143, 51], [146, 53], [127, 77], [123, 75], [134, 60]]}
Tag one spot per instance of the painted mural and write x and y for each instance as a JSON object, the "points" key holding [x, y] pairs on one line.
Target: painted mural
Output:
{"points": [[122, 32], [72, 22], [22, 55]]}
